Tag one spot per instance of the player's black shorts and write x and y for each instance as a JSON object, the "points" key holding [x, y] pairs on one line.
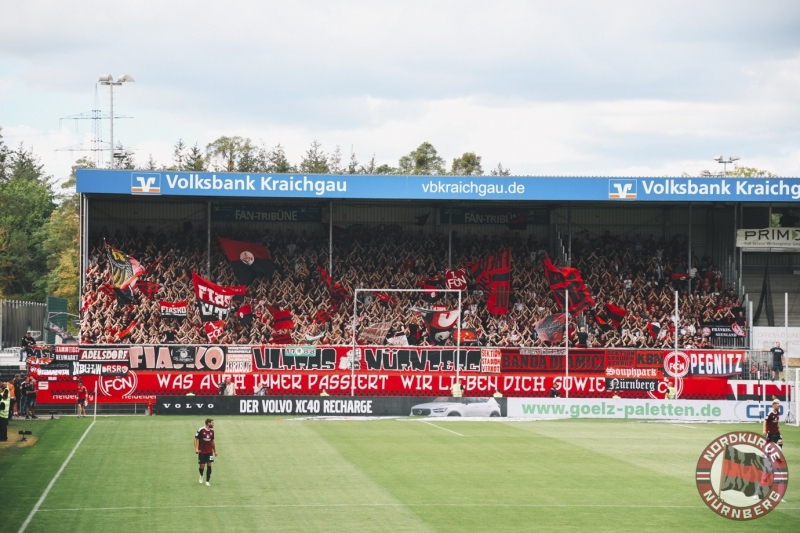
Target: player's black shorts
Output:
{"points": [[203, 458], [777, 366], [81, 401], [774, 437]]}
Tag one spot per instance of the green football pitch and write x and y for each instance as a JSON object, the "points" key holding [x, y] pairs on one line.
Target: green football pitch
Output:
{"points": [[281, 474]]}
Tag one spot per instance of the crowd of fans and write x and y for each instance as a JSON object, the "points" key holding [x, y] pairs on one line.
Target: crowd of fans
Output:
{"points": [[637, 274]]}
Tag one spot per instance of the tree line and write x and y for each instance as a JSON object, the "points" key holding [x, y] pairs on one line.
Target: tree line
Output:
{"points": [[240, 154]]}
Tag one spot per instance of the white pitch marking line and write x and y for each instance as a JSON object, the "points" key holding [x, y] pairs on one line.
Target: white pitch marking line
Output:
{"points": [[306, 505], [53, 481], [443, 429]]}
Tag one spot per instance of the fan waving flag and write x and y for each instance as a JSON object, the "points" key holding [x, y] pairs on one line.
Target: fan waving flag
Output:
{"points": [[124, 268], [245, 314], [214, 330], [615, 314], [493, 274], [749, 473], [282, 325], [568, 279], [440, 323], [249, 260], [214, 301], [551, 328]]}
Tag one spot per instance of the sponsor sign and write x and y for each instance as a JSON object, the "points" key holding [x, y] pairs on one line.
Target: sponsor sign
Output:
{"points": [[741, 476], [319, 406], [265, 213], [787, 238], [624, 384], [624, 408], [764, 338], [483, 188], [642, 373]]}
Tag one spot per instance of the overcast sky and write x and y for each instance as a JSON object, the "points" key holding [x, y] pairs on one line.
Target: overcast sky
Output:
{"points": [[584, 88]]}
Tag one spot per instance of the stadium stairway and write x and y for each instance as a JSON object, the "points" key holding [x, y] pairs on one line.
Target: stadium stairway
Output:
{"points": [[782, 280]]}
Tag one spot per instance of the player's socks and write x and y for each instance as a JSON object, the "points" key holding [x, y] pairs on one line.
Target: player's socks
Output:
{"points": [[208, 475], [201, 474]]}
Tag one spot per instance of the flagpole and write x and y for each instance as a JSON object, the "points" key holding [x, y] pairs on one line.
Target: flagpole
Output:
{"points": [[566, 343], [353, 353], [458, 338], [95, 400], [676, 321]]}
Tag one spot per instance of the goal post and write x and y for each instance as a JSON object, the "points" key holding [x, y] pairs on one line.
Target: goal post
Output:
{"points": [[355, 324]]}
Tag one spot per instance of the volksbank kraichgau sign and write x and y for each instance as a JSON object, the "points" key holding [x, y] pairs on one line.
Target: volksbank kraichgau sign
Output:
{"points": [[511, 188], [769, 238]]}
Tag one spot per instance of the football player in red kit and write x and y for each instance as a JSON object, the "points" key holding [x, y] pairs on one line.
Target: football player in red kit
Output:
{"points": [[770, 427], [205, 449]]}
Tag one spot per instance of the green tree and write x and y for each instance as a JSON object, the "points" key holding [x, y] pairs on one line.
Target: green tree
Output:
{"points": [[178, 156], [195, 160], [26, 202], [385, 170], [499, 170], [751, 172], [315, 161], [422, 161], [225, 153], [62, 243], [277, 161], [468, 164], [352, 165]]}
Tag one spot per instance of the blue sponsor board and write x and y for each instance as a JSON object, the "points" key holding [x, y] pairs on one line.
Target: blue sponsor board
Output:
{"points": [[517, 188]]}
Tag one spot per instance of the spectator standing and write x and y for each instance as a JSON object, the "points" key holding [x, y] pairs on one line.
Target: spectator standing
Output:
{"points": [[19, 407], [29, 389], [230, 387], [777, 361], [5, 409], [27, 343]]}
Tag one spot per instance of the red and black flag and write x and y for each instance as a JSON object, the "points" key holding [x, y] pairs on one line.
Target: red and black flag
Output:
{"points": [[749, 473], [551, 328], [493, 275], [339, 293], [432, 288], [422, 219], [282, 325], [518, 223], [615, 314], [440, 323], [245, 314], [602, 322], [125, 333], [568, 279], [214, 301], [249, 260], [468, 336], [653, 328], [322, 316], [125, 270], [148, 288]]}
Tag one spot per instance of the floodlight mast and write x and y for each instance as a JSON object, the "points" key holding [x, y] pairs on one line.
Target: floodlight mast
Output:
{"points": [[725, 162], [108, 79]]}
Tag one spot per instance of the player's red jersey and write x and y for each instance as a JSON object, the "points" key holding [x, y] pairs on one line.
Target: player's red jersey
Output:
{"points": [[205, 438], [81, 392], [772, 422]]}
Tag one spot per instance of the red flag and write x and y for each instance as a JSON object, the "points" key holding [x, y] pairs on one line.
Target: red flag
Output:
{"points": [[249, 260], [568, 279], [282, 325], [245, 314], [551, 328], [440, 323], [493, 274], [455, 280], [214, 300], [127, 331], [214, 330]]}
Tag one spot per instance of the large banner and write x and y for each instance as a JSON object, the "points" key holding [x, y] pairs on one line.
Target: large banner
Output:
{"points": [[785, 239], [622, 409], [139, 373]]}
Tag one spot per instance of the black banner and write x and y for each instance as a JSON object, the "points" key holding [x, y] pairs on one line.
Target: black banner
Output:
{"points": [[265, 213], [623, 384], [83, 368], [211, 313], [313, 405], [489, 215]]}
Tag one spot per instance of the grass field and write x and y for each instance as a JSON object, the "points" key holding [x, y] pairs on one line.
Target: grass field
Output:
{"points": [[273, 474]]}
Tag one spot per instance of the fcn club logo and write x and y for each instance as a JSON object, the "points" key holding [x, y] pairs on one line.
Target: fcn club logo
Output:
{"points": [[145, 183], [742, 475], [622, 189]]}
